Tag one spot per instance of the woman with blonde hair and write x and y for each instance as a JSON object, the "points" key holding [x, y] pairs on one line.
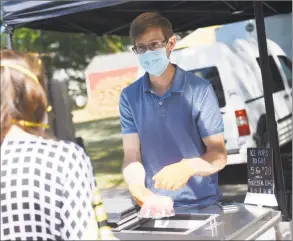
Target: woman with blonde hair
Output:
{"points": [[48, 189]]}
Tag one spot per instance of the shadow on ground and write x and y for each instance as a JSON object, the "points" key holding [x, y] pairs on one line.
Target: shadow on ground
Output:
{"points": [[104, 127], [103, 143]]}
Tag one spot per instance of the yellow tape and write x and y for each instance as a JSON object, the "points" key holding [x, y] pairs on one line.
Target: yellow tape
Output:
{"points": [[21, 69], [101, 215], [105, 233], [97, 199], [30, 124], [95, 204], [105, 229]]}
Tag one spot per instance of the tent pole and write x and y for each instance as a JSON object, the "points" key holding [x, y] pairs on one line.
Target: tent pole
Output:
{"points": [[9, 41], [270, 111], [43, 48], [9, 32]]}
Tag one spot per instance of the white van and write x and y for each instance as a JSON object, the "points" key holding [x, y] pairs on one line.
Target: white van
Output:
{"points": [[234, 72]]}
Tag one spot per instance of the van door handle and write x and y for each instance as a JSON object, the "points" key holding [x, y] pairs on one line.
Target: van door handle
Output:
{"points": [[286, 96]]}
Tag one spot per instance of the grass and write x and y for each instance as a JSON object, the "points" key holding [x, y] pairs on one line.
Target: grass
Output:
{"points": [[99, 126], [103, 143]]}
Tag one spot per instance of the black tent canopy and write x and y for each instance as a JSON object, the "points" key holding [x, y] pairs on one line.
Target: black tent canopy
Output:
{"points": [[114, 17]]}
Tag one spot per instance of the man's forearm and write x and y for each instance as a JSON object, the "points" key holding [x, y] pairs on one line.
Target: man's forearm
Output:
{"points": [[208, 164], [134, 174]]}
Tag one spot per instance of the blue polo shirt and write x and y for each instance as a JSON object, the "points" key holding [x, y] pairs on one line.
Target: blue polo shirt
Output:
{"points": [[171, 128]]}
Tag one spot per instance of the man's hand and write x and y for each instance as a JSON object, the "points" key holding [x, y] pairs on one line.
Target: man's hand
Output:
{"points": [[177, 175], [140, 193], [157, 206], [174, 176]]}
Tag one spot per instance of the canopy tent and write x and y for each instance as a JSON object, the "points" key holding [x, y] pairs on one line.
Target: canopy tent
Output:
{"points": [[114, 17]]}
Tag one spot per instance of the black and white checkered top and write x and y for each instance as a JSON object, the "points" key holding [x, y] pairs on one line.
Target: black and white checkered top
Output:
{"points": [[47, 189]]}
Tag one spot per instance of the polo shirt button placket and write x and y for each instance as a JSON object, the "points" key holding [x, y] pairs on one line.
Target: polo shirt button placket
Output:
{"points": [[162, 110]]}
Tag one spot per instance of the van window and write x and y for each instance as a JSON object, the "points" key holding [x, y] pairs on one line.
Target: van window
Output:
{"points": [[278, 83], [287, 68], [212, 74]]}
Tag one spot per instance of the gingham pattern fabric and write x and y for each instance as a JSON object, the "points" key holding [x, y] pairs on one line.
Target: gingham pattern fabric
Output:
{"points": [[47, 190]]}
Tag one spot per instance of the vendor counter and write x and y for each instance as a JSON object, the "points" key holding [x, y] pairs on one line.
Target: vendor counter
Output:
{"points": [[191, 223]]}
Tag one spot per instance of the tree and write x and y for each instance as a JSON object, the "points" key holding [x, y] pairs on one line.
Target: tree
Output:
{"points": [[71, 52]]}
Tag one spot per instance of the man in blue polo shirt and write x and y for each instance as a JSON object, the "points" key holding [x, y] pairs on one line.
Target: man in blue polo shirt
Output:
{"points": [[171, 123]]}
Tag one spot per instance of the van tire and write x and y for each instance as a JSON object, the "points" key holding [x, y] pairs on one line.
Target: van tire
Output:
{"points": [[265, 140], [262, 141], [261, 136]]}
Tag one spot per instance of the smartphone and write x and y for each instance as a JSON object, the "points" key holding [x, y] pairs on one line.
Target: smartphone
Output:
{"points": [[229, 205]]}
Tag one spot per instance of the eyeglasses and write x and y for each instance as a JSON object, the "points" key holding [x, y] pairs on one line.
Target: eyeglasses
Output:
{"points": [[140, 49]]}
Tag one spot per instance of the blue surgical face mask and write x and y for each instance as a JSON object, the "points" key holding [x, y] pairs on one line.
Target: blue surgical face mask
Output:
{"points": [[154, 62]]}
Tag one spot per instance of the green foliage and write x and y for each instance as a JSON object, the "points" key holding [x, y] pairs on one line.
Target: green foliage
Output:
{"points": [[68, 51]]}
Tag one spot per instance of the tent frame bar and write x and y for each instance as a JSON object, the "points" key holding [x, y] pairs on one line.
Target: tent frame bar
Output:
{"points": [[268, 97], [9, 32], [271, 123]]}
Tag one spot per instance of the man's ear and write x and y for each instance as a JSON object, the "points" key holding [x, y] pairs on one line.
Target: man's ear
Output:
{"points": [[172, 43]]}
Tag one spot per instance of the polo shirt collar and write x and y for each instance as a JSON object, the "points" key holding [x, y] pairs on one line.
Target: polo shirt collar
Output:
{"points": [[179, 80], [146, 83], [177, 85]]}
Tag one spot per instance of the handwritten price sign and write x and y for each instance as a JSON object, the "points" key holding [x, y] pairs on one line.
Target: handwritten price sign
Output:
{"points": [[260, 170]]}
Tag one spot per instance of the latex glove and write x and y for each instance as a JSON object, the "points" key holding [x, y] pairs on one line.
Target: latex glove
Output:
{"points": [[174, 176], [140, 193], [156, 206]]}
